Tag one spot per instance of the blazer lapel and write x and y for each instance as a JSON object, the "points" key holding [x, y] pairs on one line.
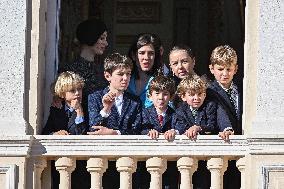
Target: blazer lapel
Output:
{"points": [[125, 106], [154, 116], [189, 115], [225, 97]]}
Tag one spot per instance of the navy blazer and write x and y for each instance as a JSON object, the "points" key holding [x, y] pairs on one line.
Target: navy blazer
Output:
{"points": [[206, 118], [59, 120], [150, 120], [128, 123], [226, 113]]}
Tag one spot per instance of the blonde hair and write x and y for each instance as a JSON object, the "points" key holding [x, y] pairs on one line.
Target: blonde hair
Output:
{"points": [[224, 55], [192, 84], [116, 60], [67, 81]]}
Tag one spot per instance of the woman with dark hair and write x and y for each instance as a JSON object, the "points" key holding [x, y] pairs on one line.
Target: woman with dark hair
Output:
{"points": [[91, 35], [145, 53]]}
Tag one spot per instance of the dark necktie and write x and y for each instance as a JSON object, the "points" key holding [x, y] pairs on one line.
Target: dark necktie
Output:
{"points": [[194, 113], [161, 119], [68, 113], [232, 100]]}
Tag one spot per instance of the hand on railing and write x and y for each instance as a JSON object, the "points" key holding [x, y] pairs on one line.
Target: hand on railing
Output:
{"points": [[225, 135], [192, 132], [61, 132], [101, 130]]}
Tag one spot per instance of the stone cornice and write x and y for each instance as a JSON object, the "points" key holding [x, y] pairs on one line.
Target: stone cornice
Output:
{"points": [[15, 146], [138, 146]]}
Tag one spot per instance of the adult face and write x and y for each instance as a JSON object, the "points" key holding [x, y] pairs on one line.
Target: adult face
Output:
{"points": [[99, 47], [146, 57], [181, 63]]}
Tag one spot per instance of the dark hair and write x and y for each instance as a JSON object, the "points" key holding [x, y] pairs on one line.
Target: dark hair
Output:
{"points": [[160, 83], [182, 47], [89, 31], [140, 41], [115, 61]]}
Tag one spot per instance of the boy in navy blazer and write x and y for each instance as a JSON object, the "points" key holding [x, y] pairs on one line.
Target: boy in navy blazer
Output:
{"points": [[223, 65], [223, 91], [196, 114], [113, 110], [157, 119], [69, 119]]}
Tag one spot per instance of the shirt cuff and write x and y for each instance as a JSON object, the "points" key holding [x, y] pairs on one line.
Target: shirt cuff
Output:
{"points": [[104, 114], [118, 132], [228, 129], [177, 132], [79, 119]]}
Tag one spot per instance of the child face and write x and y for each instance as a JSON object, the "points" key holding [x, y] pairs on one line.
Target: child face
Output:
{"points": [[101, 44], [160, 99], [224, 74], [119, 79], [146, 57], [74, 94], [181, 63], [195, 100]]}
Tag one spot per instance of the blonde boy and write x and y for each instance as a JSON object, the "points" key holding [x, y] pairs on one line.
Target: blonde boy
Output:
{"points": [[223, 65], [69, 119], [195, 115]]}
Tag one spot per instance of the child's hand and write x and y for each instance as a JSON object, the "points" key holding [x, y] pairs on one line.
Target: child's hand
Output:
{"points": [[56, 102], [153, 134], [61, 132], [225, 135], [192, 132], [101, 130], [170, 135], [108, 100], [76, 105]]}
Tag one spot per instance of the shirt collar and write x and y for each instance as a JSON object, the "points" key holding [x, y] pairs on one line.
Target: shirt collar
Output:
{"points": [[68, 108], [232, 86]]}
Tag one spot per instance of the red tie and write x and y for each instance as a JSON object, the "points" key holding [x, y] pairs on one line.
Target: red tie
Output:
{"points": [[160, 118]]}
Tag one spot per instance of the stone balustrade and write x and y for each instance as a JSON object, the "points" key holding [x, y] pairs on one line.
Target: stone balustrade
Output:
{"points": [[38, 150], [127, 150]]}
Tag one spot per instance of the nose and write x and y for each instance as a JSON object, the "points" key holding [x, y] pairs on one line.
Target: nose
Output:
{"points": [[179, 65], [196, 96], [124, 77]]}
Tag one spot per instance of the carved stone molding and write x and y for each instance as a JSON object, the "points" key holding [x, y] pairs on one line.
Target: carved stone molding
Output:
{"points": [[10, 172], [269, 180]]}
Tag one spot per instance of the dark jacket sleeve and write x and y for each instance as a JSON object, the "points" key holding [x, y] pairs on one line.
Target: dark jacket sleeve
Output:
{"points": [[76, 129], [211, 118], [146, 124], [56, 121], [180, 122], [94, 107], [136, 121]]}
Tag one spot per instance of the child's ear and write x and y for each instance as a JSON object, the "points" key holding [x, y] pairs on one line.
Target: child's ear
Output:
{"points": [[236, 69], [107, 75], [211, 68], [183, 97], [193, 61]]}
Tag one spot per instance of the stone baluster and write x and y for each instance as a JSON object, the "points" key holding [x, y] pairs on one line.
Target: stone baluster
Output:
{"points": [[65, 166], [241, 165], [217, 167], [186, 166], [126, 166], [156, 167], [39, 165], [96, 167]]}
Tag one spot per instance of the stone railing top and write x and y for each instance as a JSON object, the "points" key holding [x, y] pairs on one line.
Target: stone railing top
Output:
{"points": [[137, 145]]}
